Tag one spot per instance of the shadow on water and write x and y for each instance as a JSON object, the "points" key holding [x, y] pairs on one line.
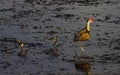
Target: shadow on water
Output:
{"points": [[84, 67], [54, 51], [82, 63]]}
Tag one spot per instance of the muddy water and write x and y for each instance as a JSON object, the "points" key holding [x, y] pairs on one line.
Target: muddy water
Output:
{"points": [[32, 21]]}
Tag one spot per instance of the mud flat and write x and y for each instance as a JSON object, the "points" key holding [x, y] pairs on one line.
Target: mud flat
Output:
{"points": [[33, 21]]}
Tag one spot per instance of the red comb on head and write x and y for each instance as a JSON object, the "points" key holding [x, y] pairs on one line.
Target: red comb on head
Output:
{"points": [[91, 19]]}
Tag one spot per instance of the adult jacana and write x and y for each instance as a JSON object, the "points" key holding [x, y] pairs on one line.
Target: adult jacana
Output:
{"points": [[83, 34]]}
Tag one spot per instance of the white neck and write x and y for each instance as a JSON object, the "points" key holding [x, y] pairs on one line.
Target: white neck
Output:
{"points": [[88, 26]]}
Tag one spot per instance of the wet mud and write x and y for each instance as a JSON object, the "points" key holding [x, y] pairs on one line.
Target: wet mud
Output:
{"points": [[35, 21]]}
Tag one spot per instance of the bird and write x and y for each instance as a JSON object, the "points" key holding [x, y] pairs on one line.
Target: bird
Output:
{"points": [[20, 43], [54, 39], [23, 51], [83, 34], [55, 44]]}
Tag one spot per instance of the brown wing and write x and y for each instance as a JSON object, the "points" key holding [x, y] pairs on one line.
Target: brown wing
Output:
{"points": [[82, 35]]}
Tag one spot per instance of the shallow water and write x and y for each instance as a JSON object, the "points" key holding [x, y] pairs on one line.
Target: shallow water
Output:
{"points": [[32, 21]]}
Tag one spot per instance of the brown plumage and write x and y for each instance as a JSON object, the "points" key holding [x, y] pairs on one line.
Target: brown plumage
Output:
{"points": [[20, 43], [54, 38], [83, 34]]}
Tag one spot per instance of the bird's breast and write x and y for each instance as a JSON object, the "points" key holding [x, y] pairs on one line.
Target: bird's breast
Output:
{"points": [[82, 37]]}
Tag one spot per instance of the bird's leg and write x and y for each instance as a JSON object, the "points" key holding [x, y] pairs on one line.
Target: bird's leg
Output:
{"points": [[22, 47], [76, 56], [75, 53], [23, 52], [83, 53], [56, 43], [55, 46], [83, 50]]}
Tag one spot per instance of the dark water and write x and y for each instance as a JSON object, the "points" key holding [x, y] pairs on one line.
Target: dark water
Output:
{"points": [[32, 21]]}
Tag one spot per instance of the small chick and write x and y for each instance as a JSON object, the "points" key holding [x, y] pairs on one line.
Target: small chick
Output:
{"points": [[20, 43], [23, 51], [54, 39]]}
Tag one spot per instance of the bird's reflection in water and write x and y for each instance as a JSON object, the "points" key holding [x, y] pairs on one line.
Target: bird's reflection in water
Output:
{"points": [[54, 52], [83, 65], [83, 35], [23, 52]]}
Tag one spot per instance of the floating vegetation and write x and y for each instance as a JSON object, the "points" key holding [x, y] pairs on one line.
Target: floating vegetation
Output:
{"points": [[35, 27], [65, 16], [52, 32], [110, 58], [63, 2], [48, 26]]}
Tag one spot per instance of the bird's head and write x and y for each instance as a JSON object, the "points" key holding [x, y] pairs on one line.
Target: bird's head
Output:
{"points": [[90, 20]]}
